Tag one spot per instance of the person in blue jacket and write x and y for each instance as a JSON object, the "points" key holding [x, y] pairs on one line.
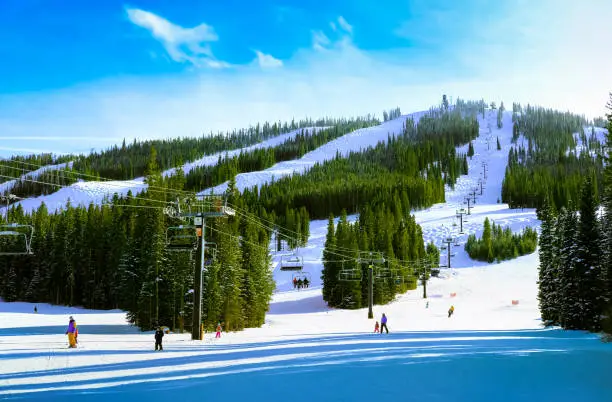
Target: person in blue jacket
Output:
{"points": [[383, 323]]}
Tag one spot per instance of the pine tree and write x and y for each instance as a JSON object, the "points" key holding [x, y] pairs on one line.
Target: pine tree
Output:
{"points": [[547, 279], [607, 218], [470, 152], [32, 293], [329, 274], [589, 255], [570, 304], [10, 288], [487, 241]]}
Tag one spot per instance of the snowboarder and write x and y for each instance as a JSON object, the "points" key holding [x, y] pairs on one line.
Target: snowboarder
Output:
{"points": [[71, 333], [218, 335], [451, 310], [376, 327], [383, 323], [159, 334]]}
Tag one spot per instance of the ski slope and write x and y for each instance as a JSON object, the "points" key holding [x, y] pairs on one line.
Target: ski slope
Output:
{"points": [[490, 350], [86, 192], [355, 141], [7, 186]]}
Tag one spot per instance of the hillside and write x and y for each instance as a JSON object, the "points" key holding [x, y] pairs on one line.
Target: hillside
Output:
{"points": [[302, 336]]}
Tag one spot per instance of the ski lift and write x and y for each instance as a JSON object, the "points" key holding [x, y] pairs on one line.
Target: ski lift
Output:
{"points": [[382, 272], [292, 263], [19, 239], [210, 253], [302, 275], [349, 275], [181, 238]]}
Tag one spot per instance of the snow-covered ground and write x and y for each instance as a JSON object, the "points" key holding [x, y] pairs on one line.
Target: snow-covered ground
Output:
{"points": [[352, 142], [30, 175], [86, 192], [490, 350]]}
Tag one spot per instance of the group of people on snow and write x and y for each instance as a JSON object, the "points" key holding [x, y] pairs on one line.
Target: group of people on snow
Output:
{"points": [[378, 328], [383, 324], [73, 334], [299, 283], [73, 331]]}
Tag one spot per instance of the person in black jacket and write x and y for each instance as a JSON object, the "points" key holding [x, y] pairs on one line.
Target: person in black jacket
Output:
{"points": [[159, 334]]}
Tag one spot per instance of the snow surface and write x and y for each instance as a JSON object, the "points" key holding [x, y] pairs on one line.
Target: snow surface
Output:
{"points": [[87, 192], [7, 186], [490, 350], [355, 141]]}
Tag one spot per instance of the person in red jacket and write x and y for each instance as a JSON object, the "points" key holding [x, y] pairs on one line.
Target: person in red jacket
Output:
{"points": [[218, 335]]}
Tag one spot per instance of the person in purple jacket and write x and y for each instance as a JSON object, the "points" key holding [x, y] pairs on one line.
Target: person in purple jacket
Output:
{"points": [[383, 323], [71, 332]]}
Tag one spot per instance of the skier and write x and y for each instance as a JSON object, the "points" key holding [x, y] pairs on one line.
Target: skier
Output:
{"points": [[71, 333], [300, 284], [159, 334], [306, 282], [451, 310], [294, 283], [427, 305], [35, 309], [383, 323], [218, 335], [376, 327]]}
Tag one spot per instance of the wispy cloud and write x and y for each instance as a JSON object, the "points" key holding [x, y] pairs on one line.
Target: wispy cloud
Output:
{"points": [[182, 44], [345, 25], [320, 41], [267, 61]]}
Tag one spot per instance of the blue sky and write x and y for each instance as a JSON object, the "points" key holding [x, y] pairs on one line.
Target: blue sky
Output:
{"points": [[77, 75]]}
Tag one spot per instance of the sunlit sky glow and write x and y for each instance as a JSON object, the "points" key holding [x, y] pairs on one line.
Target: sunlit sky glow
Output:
{"points": [[81, 75]]}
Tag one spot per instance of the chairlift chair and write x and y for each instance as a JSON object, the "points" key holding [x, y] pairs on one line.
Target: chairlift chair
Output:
{"points": [[210, 253], [292, 263], [301, 275], [15, 231], [382, 272], [350, 275], [181, 238]]}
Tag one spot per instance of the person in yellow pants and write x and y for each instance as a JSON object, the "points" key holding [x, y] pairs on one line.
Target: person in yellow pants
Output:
{"points": [[71, 332]]}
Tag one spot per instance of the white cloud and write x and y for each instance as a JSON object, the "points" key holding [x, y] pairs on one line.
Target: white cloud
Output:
{"points": [[345, 25], [182, 44], [267, 61], [320, 41]]}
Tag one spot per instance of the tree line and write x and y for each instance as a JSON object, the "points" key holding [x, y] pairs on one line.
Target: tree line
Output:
{"points": [[417, 163], [203, 177], [16, 166], [499, 244], [548, 165], [115, 255], [575, 272], [408, 171], [389, 229]]}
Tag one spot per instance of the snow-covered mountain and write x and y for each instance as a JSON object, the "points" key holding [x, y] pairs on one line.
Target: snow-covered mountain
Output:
{"points": [[305, 344]]}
